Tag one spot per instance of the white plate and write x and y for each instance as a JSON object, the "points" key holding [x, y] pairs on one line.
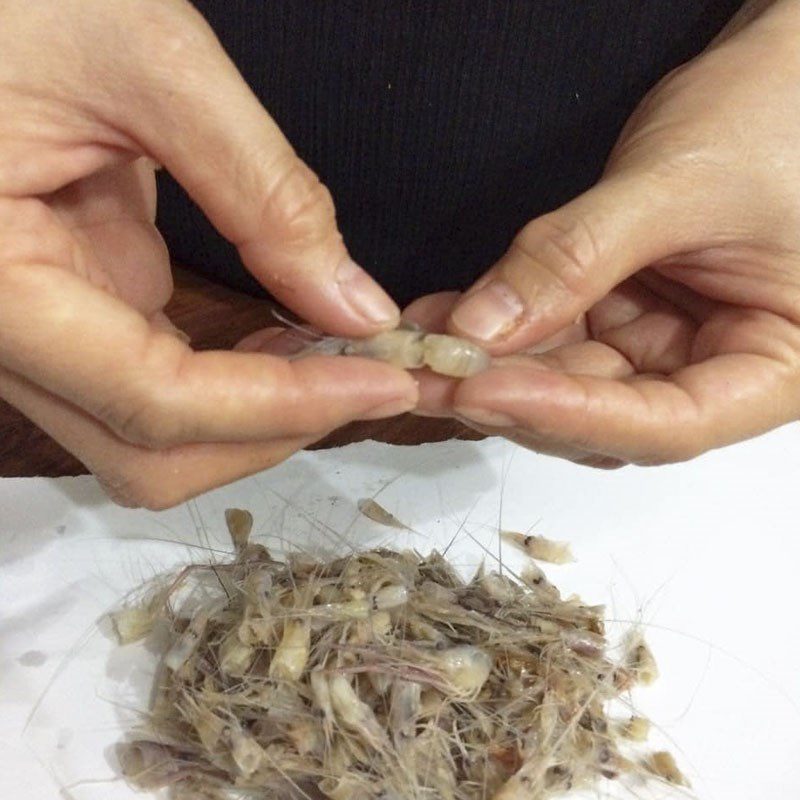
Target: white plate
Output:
{"points": [[704, 554]]}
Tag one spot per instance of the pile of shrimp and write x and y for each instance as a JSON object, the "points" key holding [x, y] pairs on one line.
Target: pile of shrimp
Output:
{"points": [[381, 676]]}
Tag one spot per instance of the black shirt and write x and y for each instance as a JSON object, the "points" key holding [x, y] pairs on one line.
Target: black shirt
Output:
{"points": [[442, 126]]}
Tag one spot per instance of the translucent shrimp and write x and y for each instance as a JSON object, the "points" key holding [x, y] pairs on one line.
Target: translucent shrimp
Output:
{"points": [[377, 513], [466, 667], [410, 349], [539, 548], [291, 656], [184, 647], [640, 661]]}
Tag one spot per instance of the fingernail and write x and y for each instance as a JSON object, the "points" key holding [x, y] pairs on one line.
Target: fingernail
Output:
{"points": [[390, 409], [482, 416], [364, 296], [490, 313]]}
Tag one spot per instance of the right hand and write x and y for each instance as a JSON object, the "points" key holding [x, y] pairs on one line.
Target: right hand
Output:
{"points": [[93, 93]]}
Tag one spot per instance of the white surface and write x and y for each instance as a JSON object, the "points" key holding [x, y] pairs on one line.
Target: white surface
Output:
{"points": [[705, 554]]}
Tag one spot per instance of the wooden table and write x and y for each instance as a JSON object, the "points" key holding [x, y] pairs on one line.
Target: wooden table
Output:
{"points": [[214, 317]]}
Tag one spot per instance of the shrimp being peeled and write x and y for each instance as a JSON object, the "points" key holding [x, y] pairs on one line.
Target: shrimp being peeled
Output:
{"points": [[409, 348]]}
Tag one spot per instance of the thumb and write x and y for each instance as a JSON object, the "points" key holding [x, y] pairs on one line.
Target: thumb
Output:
{"points": [[189, 108], [562, 263]]}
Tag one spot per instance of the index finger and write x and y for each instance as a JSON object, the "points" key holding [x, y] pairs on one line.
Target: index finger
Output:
{"points": [[150, 387], [188, 106], [640, 419]]}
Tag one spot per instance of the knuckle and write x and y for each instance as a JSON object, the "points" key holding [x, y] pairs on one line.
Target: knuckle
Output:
{"points": [[298, 208], [564, 247], [148, 421]]}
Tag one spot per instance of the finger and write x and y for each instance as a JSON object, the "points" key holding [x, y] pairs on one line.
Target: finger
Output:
{"points": [[561, 264], [572, 334], [162, 323], [137, 476], [530, 441], [656, 342], [112, 214], [188, 107], [643, 420], [149, 387], [622, 305], [582, 358], [436, 394]]}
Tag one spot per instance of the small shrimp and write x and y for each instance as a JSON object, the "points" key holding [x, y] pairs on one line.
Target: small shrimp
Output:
{"points": [[386, 598], [348, 787], [321, 692], [235, 657], [636, 729], [291, 656], [211, 729], [355, 714], [663, 766], [404, 709], [240, 525], [377, 513], [584, 643], [152, 766], [246, 752], [188, 642], [410, 349], [539, 548], [640, 661], [133, 624], [466, 667], [446, 355]]}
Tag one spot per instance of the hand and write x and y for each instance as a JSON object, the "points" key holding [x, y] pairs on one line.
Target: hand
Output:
{"points": [[92, 93], [673, 284]]}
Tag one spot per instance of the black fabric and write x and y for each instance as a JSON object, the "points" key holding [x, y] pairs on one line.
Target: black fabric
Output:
{"points": [[442, 126]]}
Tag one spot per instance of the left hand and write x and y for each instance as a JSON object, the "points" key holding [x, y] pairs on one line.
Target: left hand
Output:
{"points": [[657, 316]]}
